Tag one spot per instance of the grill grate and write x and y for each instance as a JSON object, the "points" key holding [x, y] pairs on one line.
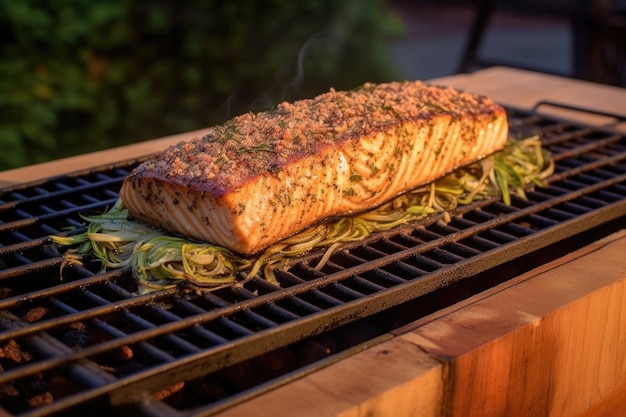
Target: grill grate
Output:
{"points": [[89, 343]]}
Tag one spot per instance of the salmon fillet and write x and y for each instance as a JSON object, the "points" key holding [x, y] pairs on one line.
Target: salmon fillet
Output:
{"points": [[262, 177]]}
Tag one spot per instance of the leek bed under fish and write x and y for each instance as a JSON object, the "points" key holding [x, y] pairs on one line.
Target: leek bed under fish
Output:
{"points": [[160, 261]]}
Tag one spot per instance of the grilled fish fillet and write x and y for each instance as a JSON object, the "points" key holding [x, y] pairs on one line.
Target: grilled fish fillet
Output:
{"points": [[262, 177]]}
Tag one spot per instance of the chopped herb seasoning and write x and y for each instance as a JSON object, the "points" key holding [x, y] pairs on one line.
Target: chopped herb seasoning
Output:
{"points": [[354, 177], [275, 166]]}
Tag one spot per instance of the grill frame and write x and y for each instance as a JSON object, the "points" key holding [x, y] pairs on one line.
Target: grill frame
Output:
{"points": [[130, 388]]}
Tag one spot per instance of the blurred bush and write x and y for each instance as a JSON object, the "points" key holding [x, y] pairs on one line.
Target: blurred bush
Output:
{"points": [[82, 75]]}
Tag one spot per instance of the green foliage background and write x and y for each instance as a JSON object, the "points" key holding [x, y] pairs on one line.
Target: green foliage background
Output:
{"points": [[82, 75]]}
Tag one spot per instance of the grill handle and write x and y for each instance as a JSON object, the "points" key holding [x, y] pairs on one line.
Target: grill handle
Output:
{"points": [[619, 118]]}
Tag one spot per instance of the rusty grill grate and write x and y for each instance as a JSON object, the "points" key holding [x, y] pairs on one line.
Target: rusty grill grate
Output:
{"points": [[88, 343]]}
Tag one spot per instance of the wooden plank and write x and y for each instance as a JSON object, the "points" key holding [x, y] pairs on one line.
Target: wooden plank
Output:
{"points": [[553, 344], [92, 160], [550, 342], [368, 384], [613, 406], [523, 89]]}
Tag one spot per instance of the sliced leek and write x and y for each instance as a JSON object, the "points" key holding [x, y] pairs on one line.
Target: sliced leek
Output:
{"points": [[160, 261]]}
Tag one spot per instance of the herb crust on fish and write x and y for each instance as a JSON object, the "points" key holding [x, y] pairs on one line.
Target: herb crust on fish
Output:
{"points": [[260, 178]]}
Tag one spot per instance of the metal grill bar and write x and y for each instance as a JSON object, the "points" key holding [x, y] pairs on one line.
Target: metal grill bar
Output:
{"points": [[179, 336]]}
